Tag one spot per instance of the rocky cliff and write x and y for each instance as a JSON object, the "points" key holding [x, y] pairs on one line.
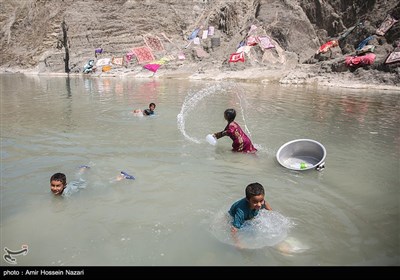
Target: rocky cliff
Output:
{"points": [[61, 35]]}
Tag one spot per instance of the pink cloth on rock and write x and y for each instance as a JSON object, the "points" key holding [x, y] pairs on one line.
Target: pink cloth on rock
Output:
{"points": [[154, 43], [363, 60], [152, 67], [393, 56], [143, 54], [265, 42]]}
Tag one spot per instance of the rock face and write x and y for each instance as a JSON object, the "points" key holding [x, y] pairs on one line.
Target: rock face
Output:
{"points": [[61, 35]]}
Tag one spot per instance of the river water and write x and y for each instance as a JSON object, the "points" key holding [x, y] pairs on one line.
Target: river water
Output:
{"points": [[174, 212]]}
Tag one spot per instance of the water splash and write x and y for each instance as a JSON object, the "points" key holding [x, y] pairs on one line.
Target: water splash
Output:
{"points": [[243, 113], [243, 103], [191, 100], [291, 246], [268, 228]]}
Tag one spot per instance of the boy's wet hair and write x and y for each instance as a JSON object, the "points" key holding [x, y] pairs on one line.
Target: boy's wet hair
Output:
{"points": [[59, 177], [254, 189], [230, 115], [152, 104]]}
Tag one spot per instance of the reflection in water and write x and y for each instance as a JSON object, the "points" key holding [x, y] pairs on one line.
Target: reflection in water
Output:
{"points": [[88, 84], [346, 214], [150, 90], [68, 86], [68, 109]]}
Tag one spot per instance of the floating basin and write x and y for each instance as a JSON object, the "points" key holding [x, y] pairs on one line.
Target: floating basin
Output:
{"points": [[302, 154]]}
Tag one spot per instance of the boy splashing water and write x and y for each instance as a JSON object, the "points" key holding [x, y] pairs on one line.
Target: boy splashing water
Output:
{"points": [[247, 208]]}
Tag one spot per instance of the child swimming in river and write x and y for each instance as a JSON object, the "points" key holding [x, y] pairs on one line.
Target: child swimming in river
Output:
{"points": [[59, 186], [124, 175], [146, 112]]}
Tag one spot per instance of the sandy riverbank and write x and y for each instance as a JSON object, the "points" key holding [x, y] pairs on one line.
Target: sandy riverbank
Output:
{"points": [[364, 79]]}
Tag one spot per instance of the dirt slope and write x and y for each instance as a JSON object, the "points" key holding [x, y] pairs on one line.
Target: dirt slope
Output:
{"points": [[47, 36]]}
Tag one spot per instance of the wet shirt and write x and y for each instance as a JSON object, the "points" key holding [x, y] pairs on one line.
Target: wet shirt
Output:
{"points": [[240, 211], [241, 142], [73, 187], [148, 112]]}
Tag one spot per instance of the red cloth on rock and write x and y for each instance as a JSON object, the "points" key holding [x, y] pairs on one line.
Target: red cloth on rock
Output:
{"points": [[357, 61]]}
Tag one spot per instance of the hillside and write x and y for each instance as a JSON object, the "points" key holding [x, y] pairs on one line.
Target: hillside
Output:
{"points": [[58, 36]]}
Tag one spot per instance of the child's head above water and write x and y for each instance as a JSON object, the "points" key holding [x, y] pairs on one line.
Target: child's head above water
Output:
{"points": [[151, 109], [255, 195], [230, 115], [145, 112], [58, 182]]}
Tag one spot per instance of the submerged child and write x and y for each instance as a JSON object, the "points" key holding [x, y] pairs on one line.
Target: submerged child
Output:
{"points": [[247, 208], [241, 142], [59, 186], [123, 175], [146, 112]]}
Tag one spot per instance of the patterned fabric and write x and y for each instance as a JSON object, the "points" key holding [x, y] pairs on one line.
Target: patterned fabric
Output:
{"points": [[129, 56], [143, 54], [103, 61], [386, 25], [363, 60], [265, 42], [154, 43], [241, 142], [327, 46], [394, 56], [251, 41], [117, 60], [236, 57]]}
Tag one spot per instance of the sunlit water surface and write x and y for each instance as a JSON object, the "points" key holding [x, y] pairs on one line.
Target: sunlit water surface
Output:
{"points": [[174, 213]]}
